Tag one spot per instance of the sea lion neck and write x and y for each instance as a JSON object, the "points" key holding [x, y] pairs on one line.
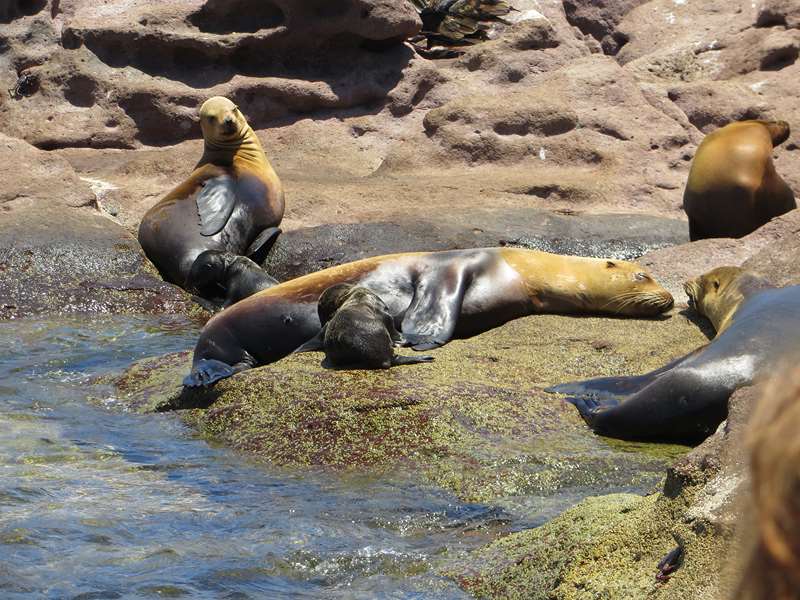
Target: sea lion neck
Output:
{"points": [[246, 149]]}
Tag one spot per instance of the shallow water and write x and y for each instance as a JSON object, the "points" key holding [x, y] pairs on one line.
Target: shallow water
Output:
{"points": [[98, 503]]}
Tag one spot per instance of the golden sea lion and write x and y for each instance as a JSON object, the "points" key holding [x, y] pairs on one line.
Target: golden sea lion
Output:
{"points": [[758, 327], [436, 295], [733, 188], [357, 330], [232, 201], [770, 564]]}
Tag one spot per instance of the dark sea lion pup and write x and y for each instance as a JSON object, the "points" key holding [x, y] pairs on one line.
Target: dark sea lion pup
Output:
{"points": [[733, 187], [357, 330], [232, 201], [227, 278], [440, 295], [758, 327]]}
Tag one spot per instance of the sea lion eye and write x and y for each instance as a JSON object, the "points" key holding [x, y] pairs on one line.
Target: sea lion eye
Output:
{"points": [[610, 264], [716, 285], [641, 276]]}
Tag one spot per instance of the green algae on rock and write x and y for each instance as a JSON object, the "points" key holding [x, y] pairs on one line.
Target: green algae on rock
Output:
{"points": [[610, 546], [475, 421]]}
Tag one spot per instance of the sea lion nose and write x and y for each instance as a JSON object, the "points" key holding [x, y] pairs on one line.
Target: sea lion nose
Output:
{"points": [[228, 124]]}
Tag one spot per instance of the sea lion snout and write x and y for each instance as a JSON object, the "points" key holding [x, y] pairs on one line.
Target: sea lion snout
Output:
{"points": [[692, 289], [229, 125]]}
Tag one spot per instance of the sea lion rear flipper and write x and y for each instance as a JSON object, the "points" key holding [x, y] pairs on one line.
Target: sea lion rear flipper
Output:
{"points": [[410, 360], [208, 370], [430, 320], [315, 344], [215, 202], [261, 246], [610, 390]]}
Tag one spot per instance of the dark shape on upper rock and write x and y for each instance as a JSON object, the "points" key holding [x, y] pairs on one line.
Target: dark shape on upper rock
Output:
{"points": [[458, 22]]}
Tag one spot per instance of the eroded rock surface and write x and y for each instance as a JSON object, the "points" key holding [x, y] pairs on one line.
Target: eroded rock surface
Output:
{"points": [[59, 254]]}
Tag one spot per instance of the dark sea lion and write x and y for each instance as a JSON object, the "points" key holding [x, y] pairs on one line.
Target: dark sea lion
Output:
{"points": [[232, 201], [357, 330], [758, 327], [226, 277], [436, 295], [733, 188]]}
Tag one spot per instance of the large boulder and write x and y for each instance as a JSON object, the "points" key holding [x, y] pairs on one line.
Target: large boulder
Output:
{"points": [[61, 254], [475, 421], [625, 237]]}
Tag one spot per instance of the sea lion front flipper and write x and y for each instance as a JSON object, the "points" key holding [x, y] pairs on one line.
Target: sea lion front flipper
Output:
{"points": [[315, 344], [215, 202], [261, 246], [410, 360], [430, 320], [208, 370]]}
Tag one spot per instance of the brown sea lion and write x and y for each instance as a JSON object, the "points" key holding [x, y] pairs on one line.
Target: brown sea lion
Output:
{"points": [[436, 295], [733, 188], [770, 561], [357, 330], [232, 201], [758, 327]]}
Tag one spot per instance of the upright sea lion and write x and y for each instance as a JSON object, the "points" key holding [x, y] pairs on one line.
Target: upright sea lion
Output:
{"points": [[437, 295], [733, 188], [232, 201], [758, 326], [357, 330], [227, 278]]}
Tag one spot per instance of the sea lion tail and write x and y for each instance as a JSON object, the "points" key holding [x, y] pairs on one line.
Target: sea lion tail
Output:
{"points": [[206, 371], [410, 360]]}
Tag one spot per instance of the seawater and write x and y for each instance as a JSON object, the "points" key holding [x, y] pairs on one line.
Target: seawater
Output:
{"points": [[99, 503]]}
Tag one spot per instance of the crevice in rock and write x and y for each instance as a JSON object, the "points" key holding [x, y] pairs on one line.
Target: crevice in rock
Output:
{"points": [[238, 16], [14, 9], [200, 64], [80, 91], [768, 18], [156, 127], [779, 58], [556, 126], [601, 22]]}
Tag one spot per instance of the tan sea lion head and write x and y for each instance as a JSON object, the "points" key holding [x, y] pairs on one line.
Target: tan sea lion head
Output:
{"points": [[222, 122], [629, 289], [778, 130], [718, 293]]}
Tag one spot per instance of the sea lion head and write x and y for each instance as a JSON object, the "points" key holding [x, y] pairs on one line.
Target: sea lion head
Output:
{"points": [[718, 293], [208, 273], [628, 289], [778, 130], [332, 299], [221, 121]]}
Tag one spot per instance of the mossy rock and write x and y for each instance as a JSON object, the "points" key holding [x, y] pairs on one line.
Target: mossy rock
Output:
{"points": [[475, 421], [605, 547]]}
